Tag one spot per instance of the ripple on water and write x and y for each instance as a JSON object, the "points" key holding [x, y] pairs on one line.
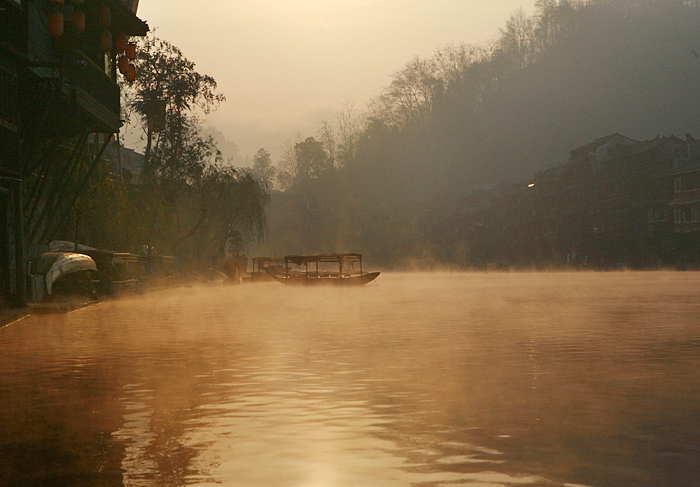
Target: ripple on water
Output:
{"points": [[440, 380]]}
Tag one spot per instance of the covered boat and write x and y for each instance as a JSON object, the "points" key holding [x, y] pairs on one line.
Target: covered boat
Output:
{"points": [[259, 274], [337, 269], [117, 270], [56, 265]]}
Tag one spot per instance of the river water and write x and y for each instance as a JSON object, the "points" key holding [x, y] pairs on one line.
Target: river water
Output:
{"points": [[451, 380]]}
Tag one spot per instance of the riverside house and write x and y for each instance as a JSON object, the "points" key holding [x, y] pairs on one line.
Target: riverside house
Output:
{"points": [[60, 62]]}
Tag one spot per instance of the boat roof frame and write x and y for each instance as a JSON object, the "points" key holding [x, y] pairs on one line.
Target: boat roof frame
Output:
{"points": [[334, 257]]}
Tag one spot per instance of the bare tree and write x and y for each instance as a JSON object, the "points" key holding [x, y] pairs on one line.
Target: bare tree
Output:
{"points": [[409, 99], [329, 140], [288, 166]]}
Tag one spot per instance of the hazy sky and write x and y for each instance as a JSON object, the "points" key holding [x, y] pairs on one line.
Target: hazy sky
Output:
{"points": [[286, 65]]}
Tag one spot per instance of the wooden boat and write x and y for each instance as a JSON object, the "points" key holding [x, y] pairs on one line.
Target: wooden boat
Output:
{"points": [[334, 269], [69, 269], [259, 274], [117, 271]]}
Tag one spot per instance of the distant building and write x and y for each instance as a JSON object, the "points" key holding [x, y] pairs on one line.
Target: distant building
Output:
{"points": [[617, 201], [125, 161], [599, 151], [686, 190]]}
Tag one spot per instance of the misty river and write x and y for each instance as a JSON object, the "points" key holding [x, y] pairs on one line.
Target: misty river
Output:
{"points": [[462, 379]]}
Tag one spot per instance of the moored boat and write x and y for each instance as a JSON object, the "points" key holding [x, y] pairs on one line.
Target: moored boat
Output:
{"points": [[260, 264], [68, 271], [334, 269]]}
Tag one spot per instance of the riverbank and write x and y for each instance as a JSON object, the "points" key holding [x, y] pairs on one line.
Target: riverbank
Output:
{"points": [[12, 315], [66, 304]]}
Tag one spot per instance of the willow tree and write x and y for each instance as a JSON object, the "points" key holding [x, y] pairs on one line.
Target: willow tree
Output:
{"points": [[230, 204]]}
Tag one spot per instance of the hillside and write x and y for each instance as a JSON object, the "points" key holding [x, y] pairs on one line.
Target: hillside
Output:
{"points": [[639, 76]]}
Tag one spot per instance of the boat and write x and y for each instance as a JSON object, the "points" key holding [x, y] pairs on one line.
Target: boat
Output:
{"points": [[68, 270], [259, 274], [117, 271], [334, 269]]}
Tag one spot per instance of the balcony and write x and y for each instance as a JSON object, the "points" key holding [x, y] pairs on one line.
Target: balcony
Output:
{"points": [[95, 93], [72, 96], [686, 196], [686, 227]]}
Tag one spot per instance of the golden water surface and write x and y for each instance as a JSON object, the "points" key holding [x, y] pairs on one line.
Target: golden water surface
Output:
{"points": [[454, 380]]}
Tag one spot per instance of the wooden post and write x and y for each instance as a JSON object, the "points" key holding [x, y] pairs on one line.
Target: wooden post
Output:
{"points": [[4, 247], [21, 297]]}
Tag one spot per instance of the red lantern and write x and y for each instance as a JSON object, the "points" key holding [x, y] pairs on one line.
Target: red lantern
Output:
{"points": [[123, 65], [79, 21], [131, 50], [55, 25], [105, 16], [120, 42], [131, 74], [106, 40]]}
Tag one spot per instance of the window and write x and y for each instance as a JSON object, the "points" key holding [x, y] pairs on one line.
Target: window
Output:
{"points": [[676, 216], [677, 185], [696, 215]]}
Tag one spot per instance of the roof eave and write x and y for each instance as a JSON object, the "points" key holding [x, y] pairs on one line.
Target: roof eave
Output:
{"points": [[130, 24]]}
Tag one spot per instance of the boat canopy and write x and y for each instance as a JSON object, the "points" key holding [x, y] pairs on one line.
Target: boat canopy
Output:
{"points": [[259, 263], [340, 269], [116, 266], [54, 265], [305, 259], [317, 264], [66, 246]]}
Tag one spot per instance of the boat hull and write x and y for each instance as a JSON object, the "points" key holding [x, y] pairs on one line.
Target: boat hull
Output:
{"points": [[323, 280]]}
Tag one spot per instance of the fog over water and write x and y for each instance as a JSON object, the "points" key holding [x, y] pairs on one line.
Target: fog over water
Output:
{"points": [[470, 379]]}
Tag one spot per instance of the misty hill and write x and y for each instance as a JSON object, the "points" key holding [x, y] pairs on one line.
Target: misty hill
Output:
{"points": [[475, 116], [638, 75]]}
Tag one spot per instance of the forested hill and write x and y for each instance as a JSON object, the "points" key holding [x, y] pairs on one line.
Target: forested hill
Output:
{"points": [[477, 115], [637, 74], [553, 81]]}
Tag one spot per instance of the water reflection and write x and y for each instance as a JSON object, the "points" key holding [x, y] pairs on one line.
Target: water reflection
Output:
{"points": [[439, 380]]}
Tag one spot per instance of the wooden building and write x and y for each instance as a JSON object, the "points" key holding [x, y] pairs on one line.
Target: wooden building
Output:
{"points": [[616, 202], [58, 85]]}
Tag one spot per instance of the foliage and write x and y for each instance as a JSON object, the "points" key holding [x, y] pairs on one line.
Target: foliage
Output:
{"points": [[312, 157], [409, 98], [183, 152], [224, 203], [263, 169], [302, 161], [186, 201], [190, 202], [168, 90]]}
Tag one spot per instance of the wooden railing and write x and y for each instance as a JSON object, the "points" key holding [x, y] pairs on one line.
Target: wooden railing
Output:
{"points": [[687, 195], [96, 93]]}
